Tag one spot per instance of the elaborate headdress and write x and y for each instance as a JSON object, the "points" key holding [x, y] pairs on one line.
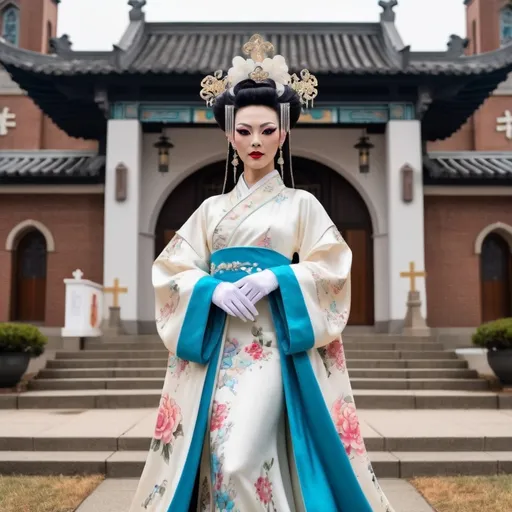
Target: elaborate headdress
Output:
{"points": [[259, 67]]}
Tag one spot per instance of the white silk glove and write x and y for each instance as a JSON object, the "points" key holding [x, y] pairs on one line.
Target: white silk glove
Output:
{"points": [[257, 286], [231, 300]]}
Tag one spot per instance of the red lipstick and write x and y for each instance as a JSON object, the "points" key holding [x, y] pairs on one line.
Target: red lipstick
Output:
{"points": [[256, 155]]}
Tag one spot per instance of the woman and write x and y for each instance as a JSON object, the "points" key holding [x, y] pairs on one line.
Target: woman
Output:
{"points": [[257, 408]]}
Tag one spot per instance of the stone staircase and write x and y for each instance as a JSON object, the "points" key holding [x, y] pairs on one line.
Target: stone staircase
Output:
{"points": [[423, 411], [387, 372]]}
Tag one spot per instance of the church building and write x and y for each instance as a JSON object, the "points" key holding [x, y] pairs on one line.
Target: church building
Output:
{"points": [[105, 154]]}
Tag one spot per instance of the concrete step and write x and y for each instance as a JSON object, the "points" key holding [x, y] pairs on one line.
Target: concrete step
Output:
{"points": [[157, 383], [365, 399], [347, 338], [352, 363], [130, 442], [129, 464], [164, 354], [348, 345], [368, 373]]}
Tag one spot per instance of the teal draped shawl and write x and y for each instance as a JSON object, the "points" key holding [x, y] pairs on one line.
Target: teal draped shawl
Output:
{"points": [[327, 480]]}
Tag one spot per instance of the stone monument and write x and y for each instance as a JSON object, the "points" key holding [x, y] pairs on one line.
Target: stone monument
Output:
{"points": [[414, 323], [113, 326]]}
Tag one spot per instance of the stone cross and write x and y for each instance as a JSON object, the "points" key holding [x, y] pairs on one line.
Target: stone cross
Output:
{"points": [[7, 120], [504, 124], [116, 290], [78, 274], [412, 275]]}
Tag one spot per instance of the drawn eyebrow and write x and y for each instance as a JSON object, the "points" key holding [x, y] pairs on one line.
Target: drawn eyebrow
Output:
{"points": [[261, 125]]}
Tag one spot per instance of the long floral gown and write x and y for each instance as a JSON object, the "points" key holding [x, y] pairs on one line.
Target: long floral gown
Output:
{"points": [[239, 416]]}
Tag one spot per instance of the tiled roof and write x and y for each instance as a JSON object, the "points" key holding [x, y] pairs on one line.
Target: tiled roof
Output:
{"points": [[480, 165], [50, 164], [198, 48], [328, 49]]}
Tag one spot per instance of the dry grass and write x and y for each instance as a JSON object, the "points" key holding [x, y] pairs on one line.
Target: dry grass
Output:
{"points": [[467, 494], [45, 494]]}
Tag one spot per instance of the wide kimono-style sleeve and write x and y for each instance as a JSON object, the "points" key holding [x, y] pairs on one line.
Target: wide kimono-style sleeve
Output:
{"points": [[316, 291], [183, 292]]}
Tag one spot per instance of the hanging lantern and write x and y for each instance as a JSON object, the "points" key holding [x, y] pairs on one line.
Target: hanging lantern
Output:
{"points": [[364, 146], [163, 145]]}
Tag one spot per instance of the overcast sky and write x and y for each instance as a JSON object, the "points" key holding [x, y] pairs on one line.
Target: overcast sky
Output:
{"points": [[424, 24]]}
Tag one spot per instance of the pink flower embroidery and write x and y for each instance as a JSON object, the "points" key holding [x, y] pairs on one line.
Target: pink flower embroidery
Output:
{"points": [[169, 419], [336, 354], [264, 489], [168, 309], [337, 286], [182, 365], [219, 415], [347, 424], [255, 350]]}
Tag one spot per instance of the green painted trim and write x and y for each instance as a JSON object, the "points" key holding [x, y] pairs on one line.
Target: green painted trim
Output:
{"points": [[378, 113]]}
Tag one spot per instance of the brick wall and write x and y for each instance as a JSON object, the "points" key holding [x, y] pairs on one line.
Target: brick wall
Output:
{"points": [[483, 21], [34, 130], [462, 140], [76, 223], [453, 282]]}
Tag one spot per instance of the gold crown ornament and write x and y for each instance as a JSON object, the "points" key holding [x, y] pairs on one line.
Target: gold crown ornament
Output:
{"points": [[259, 67]]}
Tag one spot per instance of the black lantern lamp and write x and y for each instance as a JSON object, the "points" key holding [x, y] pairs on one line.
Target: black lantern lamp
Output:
{"points": [[163, 145], [364, 146]]}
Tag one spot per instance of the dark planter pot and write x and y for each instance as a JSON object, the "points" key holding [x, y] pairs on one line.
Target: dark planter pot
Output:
{"points": [[12, 367], [501, 363]]}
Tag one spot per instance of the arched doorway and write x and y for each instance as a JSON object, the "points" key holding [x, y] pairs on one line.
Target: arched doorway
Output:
{"points": [[29, 278], [341, 200], [495, 275]]}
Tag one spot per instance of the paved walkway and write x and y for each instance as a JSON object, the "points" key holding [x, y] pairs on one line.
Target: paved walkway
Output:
{"points": [[115, 496]]}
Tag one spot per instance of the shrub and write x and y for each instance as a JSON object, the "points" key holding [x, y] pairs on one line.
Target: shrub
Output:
{"points": [[496, 335], [22, 338]]}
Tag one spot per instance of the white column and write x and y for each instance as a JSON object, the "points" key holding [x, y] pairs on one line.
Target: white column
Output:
{"points": [[380, 279], [405, 220], [121, 247]]}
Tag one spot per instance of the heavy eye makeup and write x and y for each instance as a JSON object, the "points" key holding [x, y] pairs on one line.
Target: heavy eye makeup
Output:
{"points": [[266, 131]]}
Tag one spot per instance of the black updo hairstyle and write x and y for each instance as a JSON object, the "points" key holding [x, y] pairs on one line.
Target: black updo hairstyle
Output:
{"points": [[264, 93]]}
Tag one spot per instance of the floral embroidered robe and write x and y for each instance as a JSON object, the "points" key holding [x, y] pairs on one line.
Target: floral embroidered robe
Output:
{"points": [[269, 219]]}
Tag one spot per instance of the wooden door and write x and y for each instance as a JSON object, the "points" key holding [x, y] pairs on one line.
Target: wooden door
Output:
{"points": [[495, 278], [361, 311], [342, 202], [30, 278]]}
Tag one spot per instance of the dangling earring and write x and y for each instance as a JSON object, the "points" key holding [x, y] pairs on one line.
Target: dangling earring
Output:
{"points": [[235, 164], [290, 158], [280, 161]]}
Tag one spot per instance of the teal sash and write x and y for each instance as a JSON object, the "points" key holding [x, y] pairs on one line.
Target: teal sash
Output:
{"points": [[327, 480]]}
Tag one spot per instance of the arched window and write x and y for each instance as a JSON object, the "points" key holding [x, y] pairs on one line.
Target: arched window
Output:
{"points": [[11, 24], [506, 25], [495, 278]]}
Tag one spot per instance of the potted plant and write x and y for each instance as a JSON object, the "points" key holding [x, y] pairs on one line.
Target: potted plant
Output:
{"points": [[18, 343], [496, 337]]}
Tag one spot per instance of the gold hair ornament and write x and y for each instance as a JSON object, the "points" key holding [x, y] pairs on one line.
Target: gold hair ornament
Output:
{"points": [[259, 67], [213, 86]]}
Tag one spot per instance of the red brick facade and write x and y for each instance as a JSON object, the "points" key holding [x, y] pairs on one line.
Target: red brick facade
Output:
{"points": [[76, 224], [38, 22], [452, 225]]}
